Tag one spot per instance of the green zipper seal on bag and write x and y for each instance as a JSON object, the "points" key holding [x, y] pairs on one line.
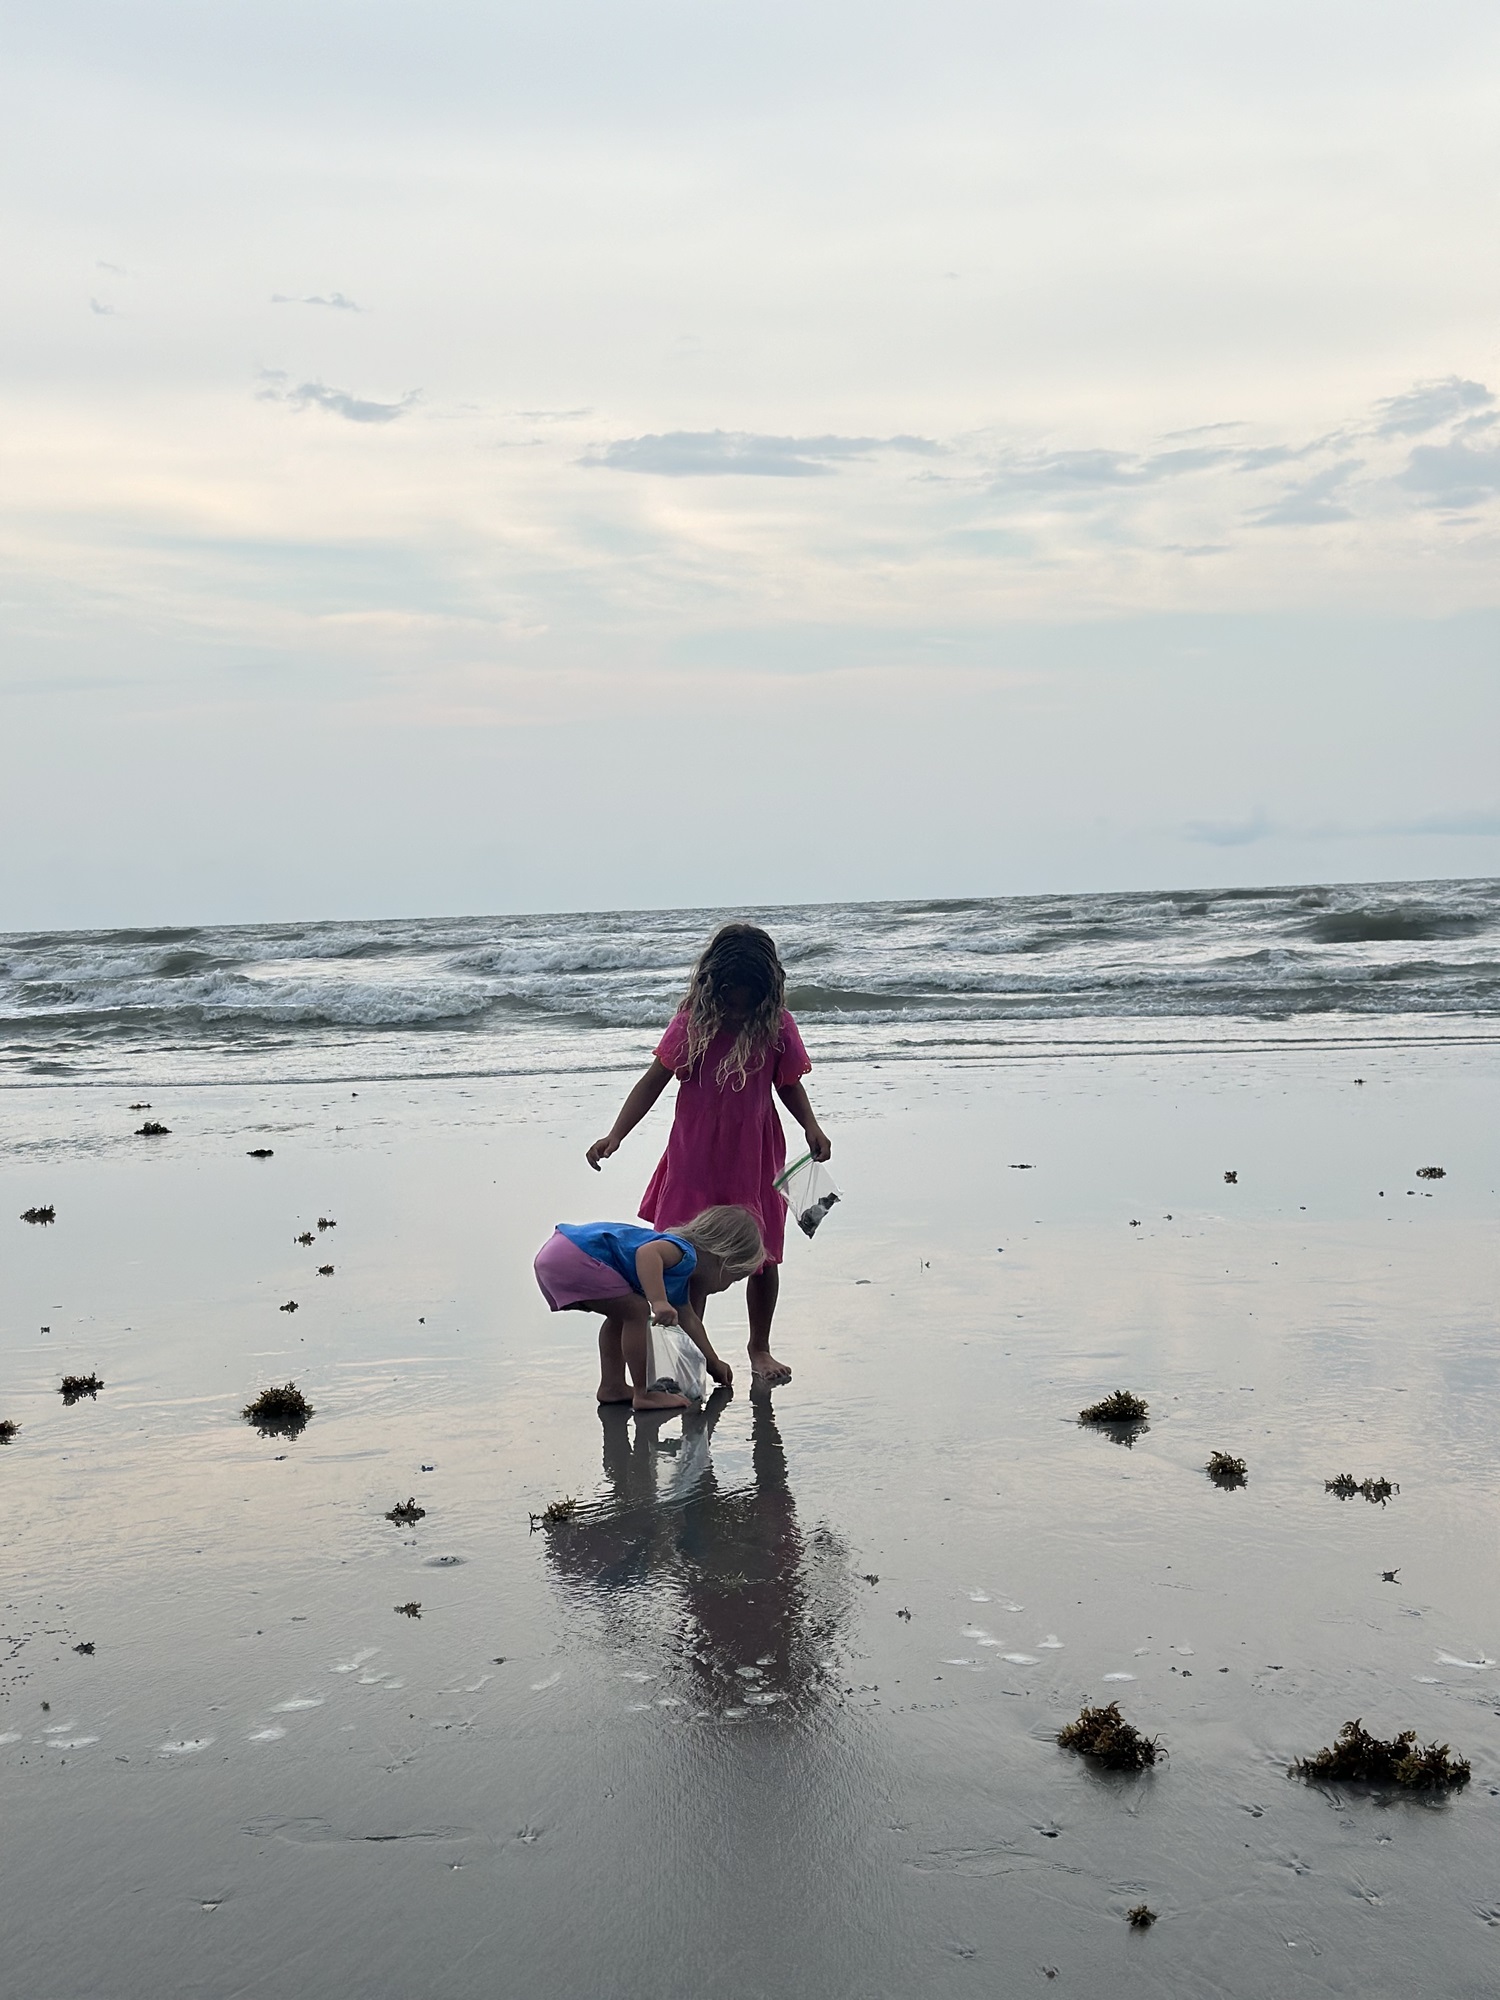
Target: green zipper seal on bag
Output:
{"points": [[795, 1168]]}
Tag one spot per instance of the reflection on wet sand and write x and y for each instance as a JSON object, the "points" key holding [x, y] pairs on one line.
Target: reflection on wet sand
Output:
{"points": [[761, 1605]]}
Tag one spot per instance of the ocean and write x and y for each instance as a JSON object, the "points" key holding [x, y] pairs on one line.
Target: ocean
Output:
{"points": [[983, 980]]}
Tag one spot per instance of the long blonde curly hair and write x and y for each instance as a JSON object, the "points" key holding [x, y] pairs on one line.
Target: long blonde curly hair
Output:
{"points": [[737, 955], [730, 1234]]}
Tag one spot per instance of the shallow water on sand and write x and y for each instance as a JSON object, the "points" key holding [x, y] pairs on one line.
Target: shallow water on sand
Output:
{"points": [[690, 1741]]}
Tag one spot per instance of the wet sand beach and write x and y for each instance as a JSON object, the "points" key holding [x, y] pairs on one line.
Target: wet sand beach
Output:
{"points": [[775, 1709]]}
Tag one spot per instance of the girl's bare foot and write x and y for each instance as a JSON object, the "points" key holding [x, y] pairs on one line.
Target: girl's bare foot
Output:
{"points": [[658, 1399], [766, 1371]]}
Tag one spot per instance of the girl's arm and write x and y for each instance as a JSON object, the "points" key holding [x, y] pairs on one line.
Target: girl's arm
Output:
{"points": [[652, 1262], [794, 1097], [642, 1096], [692, 1326]]}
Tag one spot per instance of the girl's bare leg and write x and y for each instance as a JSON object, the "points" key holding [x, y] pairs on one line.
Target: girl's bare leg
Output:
{"points": [[635, 1340], [613, 1386], [761, 1293]]}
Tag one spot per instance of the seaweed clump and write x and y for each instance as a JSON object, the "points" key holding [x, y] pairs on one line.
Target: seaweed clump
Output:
{"points": [[1105, 1735], [412, 1609], [1432, 1173], [1359, 1758], [76, 1387], [42, 1215], [405, 1512], [554, 1514], [1122, 1407], [1224, 1470], [1141, 1918], [260, 1153], [152, 1129], [279, 1412], [8, 1429], [1346, 1486]]}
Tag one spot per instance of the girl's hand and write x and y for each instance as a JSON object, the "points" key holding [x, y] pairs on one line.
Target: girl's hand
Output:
{"points": [[819, 1141], [721, 1371], [602, 1149], [664, 1315]]}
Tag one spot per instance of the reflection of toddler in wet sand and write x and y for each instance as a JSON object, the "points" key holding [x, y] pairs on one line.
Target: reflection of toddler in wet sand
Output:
{"points": [[633, 1276], [730, 1045]]}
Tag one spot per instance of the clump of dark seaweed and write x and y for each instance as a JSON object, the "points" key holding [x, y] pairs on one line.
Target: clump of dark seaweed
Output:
{"points": [[1105, 1735], [405, 1512], [307, 1237], [325, 1270], [1358, 1758], [411, 1609], [142, 1106], [260, 1153], [47, 1214], [554, 1514], [1122, 1407], [75, 1387], [1432, 1173], [152, 1129], [1224, 1470], [1141, 1918], [86, 1647], [289, 1307], [279, 1412], [1231, 1175], [9, 1428], [1346, 1486], [326, 1222]]}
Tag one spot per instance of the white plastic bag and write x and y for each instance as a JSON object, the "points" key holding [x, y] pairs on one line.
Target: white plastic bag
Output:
{"points": [[809, 1192], [676, 1361]]}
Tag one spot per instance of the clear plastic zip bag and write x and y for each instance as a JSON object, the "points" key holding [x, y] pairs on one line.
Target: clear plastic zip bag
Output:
{"points": [[809, 1191], [677, 1363]]}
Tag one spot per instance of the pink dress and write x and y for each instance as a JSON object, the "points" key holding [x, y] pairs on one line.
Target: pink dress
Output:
{"points": [[726, 1145]]}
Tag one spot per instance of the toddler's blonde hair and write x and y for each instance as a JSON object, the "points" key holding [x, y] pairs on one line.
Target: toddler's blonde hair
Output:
{"points": [[730, 1234]]}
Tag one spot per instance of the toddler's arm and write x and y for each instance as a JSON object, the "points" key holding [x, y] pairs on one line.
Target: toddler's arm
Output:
{"points": [[794, 1097], [643, 1095], [652, 1261], [693, 1327]]}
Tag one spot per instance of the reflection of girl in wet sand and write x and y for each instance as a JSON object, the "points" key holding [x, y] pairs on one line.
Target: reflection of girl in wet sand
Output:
{"points": [[632, 1276], [760, 1594], [729, 1044]]}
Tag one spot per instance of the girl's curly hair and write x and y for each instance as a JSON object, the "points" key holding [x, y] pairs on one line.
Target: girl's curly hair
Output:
{"points": [[737, 955]]}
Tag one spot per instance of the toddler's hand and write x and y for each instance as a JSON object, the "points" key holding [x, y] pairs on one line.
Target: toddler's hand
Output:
{"points": [[602, 1150], [721, 1371], [664, 1315]]}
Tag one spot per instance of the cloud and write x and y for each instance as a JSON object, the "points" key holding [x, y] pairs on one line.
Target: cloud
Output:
{"points": [[1069, 474], [1229, 833], [317, 395], [1428, 404], [1453, 475], [680, 454], [104, 311], [334, 299], [1314, 502], [118, 269], [1480, 822]]}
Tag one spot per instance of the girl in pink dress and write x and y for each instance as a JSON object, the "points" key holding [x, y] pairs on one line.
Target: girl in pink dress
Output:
{"points": [[730, 1044]]}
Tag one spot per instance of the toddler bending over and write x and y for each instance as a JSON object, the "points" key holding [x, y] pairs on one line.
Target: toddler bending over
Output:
{"points": [[634, 1275]]}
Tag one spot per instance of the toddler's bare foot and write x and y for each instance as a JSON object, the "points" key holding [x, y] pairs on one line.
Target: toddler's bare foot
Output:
{"points": [[614, 1392], [766, 1370], [657, 1399]]}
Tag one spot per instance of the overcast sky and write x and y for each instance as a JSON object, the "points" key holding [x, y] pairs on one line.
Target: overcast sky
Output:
{"points": [[474, 456]]}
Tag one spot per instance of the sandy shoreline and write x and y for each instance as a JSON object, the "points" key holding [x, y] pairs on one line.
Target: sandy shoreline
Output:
{"points": [[491, 1796]]}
